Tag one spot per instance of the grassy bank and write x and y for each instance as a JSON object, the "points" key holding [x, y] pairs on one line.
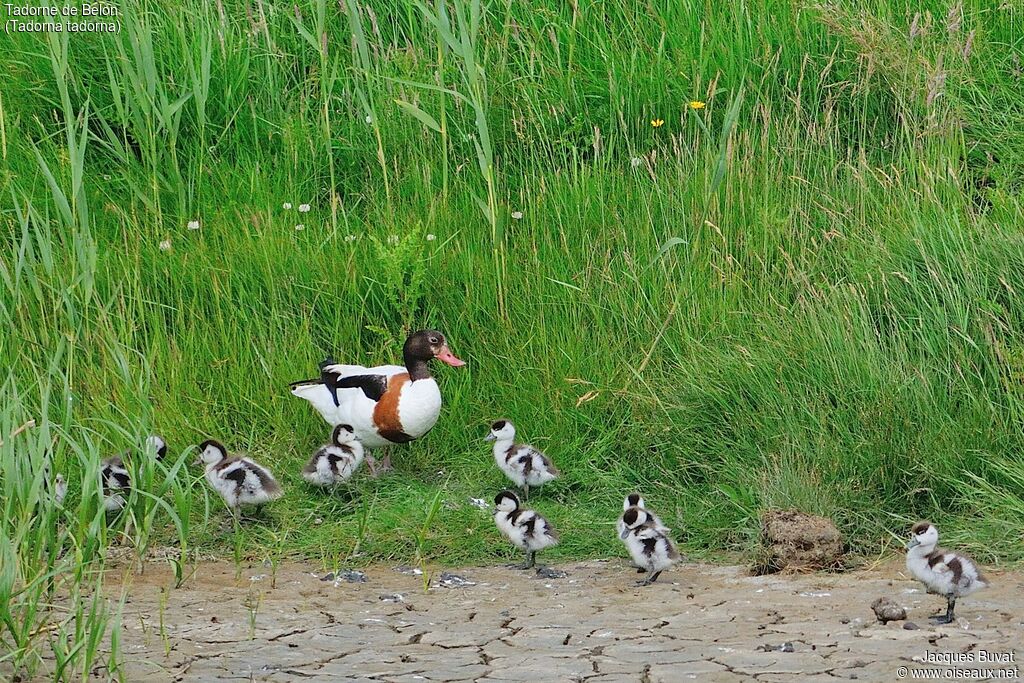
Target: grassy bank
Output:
{"points": [[732, 255]]}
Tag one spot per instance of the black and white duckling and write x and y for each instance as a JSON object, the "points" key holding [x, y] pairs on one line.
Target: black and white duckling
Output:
{"points": [[335, 462], [116, 482], [650, 549], [156, 446], [636, 500], [943, 572], [238, 480], [523, 464], [527, 530]]}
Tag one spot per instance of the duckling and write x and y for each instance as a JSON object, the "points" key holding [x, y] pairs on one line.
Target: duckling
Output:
{"points": [[116, 482], [522, 463], [636, 500], [157, 446], [60, 489], [650, 549], [526, 529], [57, 489], [943, 572], [238, 480], [335, 462]]}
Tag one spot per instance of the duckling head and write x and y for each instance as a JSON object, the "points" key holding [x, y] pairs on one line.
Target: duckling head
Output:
{"points": [[156, 445], [923, 535], [632, 518], [211, 452], [506, 501], [633, 500], [502, 430], [343, 434]]}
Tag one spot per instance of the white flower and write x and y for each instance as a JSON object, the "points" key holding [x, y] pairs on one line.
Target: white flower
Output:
{"points": [[431, 237], [193, 225], [369, 119], [300, 226], [165, 245], [287, 206], [303, 208], [350, 238], [517, 215], [635, 161]]}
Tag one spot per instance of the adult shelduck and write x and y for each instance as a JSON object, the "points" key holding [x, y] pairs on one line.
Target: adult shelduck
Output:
{"points": [[387, 404]]}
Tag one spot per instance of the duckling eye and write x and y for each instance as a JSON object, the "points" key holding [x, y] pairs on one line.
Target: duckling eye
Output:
{"points": [[433, 340]]}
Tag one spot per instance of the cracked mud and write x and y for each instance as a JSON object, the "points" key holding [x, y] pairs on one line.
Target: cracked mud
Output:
{"points": [[699, 622]]}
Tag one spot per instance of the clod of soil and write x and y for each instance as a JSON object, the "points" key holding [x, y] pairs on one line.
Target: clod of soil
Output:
{"points": [[793, 540], [886, 610]]}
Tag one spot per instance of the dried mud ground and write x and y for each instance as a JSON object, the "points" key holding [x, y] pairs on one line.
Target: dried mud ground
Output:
{"points": [[699, 622]]}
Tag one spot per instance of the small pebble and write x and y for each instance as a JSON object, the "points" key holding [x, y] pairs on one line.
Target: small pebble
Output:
{"points": [[353, 576], [910, 626], [785, 647], [327, 577], [549, 573], [449, 580], [409, 571], [392, 597]]}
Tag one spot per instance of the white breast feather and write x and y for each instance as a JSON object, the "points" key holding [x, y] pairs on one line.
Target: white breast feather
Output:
{"points": [[419, 406]]}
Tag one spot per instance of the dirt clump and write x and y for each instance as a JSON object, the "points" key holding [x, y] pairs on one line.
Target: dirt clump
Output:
{"points": [[796, 541]]}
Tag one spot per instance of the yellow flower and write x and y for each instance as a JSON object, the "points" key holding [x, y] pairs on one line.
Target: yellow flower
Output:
{"points": [[657, 123], [696, 104]]}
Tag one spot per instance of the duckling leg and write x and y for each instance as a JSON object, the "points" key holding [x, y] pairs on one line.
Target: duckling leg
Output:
{"points": [[526, 492], [949, 616], [649, 580], [529, 563]]}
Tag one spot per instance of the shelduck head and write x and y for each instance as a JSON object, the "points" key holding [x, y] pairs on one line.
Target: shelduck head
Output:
{"points": [[157, 446], [632, 518], [426, 344], [211, 452], [506, 501], [925, 535], [502, 430], [342, 435], [633, 500]]}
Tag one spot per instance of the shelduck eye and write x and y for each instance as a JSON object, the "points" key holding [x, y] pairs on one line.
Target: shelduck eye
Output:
{"points": [[434, 340]]}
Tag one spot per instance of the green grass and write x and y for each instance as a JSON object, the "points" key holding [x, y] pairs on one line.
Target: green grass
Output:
{"points": [[806, 294]]}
